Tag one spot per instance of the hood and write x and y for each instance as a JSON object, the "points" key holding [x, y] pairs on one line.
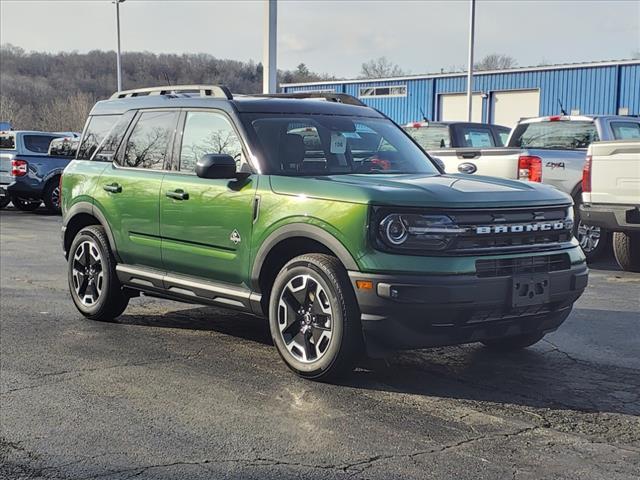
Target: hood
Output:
{"points": [[438, 191]]}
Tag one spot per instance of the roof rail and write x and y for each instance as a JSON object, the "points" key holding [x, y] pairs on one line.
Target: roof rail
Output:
{"points": [[217, 91], [330, 97]]}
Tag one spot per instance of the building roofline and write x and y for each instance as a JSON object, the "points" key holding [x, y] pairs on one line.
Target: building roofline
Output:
{"points": [[606, 63]]}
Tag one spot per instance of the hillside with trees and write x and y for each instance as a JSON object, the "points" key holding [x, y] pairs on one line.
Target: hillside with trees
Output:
{"points": [[55, 92]]}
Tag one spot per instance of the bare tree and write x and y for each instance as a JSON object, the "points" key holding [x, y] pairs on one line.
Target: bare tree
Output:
{"points": [[496, 61], [66, 114], [380, 68]]}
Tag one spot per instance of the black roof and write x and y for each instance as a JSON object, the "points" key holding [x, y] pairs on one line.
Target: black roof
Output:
{"points": [[241, 103]]}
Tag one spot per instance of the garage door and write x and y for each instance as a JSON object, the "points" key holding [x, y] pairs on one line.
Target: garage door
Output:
{"points": [[509, 107], [453, 107]]}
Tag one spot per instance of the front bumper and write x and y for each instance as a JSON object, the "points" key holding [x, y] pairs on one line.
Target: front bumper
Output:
{"points": [[612, 217], [410, 311]]}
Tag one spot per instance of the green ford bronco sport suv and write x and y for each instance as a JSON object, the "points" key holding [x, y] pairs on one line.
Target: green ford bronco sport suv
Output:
{"points": [[316, 212]]}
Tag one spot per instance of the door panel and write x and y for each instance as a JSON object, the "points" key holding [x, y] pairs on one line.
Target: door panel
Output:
{"points": [[197, 232], [132, 210]]}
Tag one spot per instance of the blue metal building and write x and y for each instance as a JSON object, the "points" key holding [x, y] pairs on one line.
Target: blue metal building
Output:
{"points": [[499, 96]]}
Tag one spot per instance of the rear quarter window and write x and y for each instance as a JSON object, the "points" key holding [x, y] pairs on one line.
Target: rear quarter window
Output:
{"points": [[559, 135], [96, 130]]}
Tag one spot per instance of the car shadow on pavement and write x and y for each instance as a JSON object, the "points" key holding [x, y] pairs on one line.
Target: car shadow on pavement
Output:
{"points": [[543, 376], [226, 322]]}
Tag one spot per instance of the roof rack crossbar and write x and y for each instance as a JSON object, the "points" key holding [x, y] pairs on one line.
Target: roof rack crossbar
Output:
{"points": [[216, 91], [330, 97]]}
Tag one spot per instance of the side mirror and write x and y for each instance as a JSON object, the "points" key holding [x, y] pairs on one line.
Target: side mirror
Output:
{"points": [[438, 162], [216, 165]]}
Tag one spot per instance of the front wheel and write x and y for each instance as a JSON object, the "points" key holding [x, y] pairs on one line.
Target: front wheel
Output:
{"points": [[4, 201], [314, 317], [93, 282], [25, 204], [517, 342]]}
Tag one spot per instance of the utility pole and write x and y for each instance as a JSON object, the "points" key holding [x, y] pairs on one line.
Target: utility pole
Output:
{"points": [[119, 67], [472, 21], [269, 64]]}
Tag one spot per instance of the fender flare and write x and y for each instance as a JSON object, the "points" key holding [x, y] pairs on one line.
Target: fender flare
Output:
{"points": [[298, 230], [53, 173], [89, 208]]}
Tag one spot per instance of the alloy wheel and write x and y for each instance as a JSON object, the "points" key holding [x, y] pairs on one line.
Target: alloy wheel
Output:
{"points": [[87, 273], [55, 197], [305, 318], [588, 236]]}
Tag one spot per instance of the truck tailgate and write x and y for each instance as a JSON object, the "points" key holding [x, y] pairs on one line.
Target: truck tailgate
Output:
{"points": [[5, 167], [615, 173], [495, 162]]}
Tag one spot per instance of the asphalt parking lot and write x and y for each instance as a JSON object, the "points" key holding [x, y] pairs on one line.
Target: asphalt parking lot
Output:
{"points": [[175, 391]]}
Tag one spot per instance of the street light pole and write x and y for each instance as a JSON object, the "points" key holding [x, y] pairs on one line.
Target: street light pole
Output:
{"points": [[269, 64], [119, 66], [472, 21]]}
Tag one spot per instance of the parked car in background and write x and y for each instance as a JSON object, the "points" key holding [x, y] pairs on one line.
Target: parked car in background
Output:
{"points": [[549, 150], [611, 196], [30, 170]]}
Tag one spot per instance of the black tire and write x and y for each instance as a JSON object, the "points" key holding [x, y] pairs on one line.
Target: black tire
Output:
{"points": [[585, 233], [52, 195], [24, 204], [332, 289], [110, 300], [626, 248], [4, 201], [518, 342]]}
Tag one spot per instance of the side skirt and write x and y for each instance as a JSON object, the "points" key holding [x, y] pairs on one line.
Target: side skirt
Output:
{"points": [[189, 289]]}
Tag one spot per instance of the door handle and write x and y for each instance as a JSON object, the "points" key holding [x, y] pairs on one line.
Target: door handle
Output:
{"points": [[178, 194], [113, 188]]}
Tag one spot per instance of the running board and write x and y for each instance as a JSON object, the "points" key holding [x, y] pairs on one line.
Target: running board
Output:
{"points": [[190, 289]]}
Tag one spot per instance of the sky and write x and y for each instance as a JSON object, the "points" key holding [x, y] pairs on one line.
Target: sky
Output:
{"points": [[335, 36]]}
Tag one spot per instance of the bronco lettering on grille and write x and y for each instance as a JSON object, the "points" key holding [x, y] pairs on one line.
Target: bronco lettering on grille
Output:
{"points": [[528, 227]]}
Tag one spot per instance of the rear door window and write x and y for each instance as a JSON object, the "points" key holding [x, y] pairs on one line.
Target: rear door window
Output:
{"points": [[148, 144], [557, 135], [37, 143], [7, 141], [97, 128], [625, 130], [501, 135]]}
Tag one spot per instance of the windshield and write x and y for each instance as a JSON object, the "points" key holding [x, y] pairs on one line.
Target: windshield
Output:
{"points": [[430, 137], [299, 145], [560, 135]]}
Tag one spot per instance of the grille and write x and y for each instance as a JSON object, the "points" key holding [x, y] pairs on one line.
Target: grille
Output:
{"points": [[511, 266], [472, 242]]}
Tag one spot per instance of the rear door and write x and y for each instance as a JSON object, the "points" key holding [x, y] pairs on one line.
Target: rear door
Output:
{"points": [[206, 223], [128, 190]]}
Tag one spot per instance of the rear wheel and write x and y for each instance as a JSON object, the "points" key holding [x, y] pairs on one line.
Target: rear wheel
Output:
{"points": [[626, 248], [52, 196], [4, 201], [314, 317], [594, 241], [517, 342], [93, 282], [25, 204]]}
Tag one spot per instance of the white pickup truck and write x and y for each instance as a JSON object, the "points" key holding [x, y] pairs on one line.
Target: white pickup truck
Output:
{"points": [[549, 150], [611, 196]]}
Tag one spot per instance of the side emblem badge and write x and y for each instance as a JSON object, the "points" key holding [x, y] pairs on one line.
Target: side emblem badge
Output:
{"points": [[235, 237], [467, 167]]}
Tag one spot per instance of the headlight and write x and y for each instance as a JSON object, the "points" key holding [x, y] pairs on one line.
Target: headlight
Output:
{"points": [[569, 221], [415, 232]]}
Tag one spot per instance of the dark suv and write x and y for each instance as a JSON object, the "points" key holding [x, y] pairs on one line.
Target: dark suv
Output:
{"points": [[317, 212]]}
